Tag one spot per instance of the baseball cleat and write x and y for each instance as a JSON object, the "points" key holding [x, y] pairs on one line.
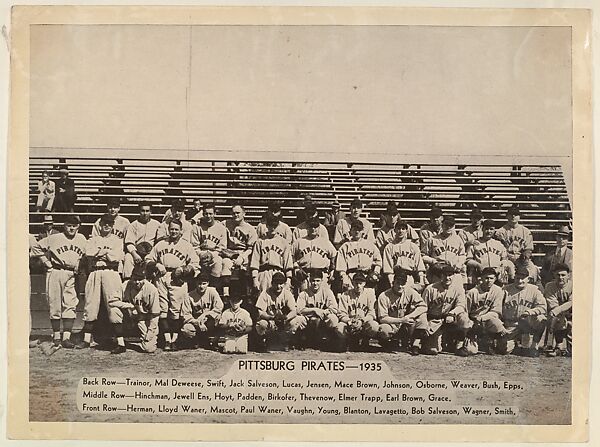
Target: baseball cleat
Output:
{"points": [[462, 352], [168, 346], [430, 351], [82, 345], [415, 350], [56, 342], [68, 344], [119, 349]]}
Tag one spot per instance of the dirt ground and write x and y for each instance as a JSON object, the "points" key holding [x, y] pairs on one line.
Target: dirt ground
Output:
{"points": [[546, 398]]}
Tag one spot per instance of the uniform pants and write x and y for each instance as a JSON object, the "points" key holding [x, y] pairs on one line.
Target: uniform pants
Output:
{"points": [[148, 327], [264, 327], [101, 284], [437, 329], [522, 330], [387, 330], [61, 294], [171, 296]]}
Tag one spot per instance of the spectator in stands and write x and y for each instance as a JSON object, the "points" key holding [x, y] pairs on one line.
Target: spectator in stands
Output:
{"points": [[560, 254], [48, 228], [46, 193], [514, 236], [282, 229], [65, 192], [332, 217], [195, 213]]}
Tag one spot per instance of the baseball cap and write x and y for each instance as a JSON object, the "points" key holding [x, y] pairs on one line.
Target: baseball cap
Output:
{"points": [[235, 298], [178, 205], [336, 204], [449, 220], [391, 207], [561, 267], [310, 210], [488, 271], [72, 219], [513, 211], [489, 223], [313, 222], [564, 231], [138, 272], [203, 277], [107, 219], [356, 203], [316, 273], [445, 268], [436, 211], [272, 221], [359, 277], [278, 278], [48, 218], [522, 272], [477, 213], [357, 225], [274, 207], [113, 201], [308, 198]]}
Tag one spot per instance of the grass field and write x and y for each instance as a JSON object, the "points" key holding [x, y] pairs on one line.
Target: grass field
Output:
{"points": [[546, 398]]}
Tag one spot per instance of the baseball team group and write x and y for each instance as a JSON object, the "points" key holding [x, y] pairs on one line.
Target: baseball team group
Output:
{"points": [[192, 281]]}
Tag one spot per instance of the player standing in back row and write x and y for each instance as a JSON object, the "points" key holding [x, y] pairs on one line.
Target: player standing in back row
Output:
{"points": [[342, 230]]}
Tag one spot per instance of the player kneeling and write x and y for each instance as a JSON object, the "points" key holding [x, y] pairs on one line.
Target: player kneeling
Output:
{"points": [[559, 295], [402, 315], [484, 306], [524, 314], [277, 318], [317, 308], [356, 311], [446, 313], [234, 326], [200, 313]]}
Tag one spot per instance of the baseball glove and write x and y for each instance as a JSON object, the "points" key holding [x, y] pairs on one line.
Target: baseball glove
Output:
{"points": [[48, 348], [206, 260], [355, 327], [300, 275], [187, 272], [373, 279], [143, 248], [279, 319], [151, 271]]}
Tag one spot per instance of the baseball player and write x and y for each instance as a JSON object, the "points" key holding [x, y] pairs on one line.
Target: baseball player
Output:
{"points": [[140, 237], [241, 237], [144, 309], [402, 315], [431, 228], [560, 254], [277, 314], [234, 325], [301, 230], [174, 259], [559, 296], [311, 253], [446, 313], [356, 313], [447, 247], [524, 261], [332, 217], [524, 315], [282, 229], [210, 236], [474, 231], [176, 213], [342, 229], [105, 252], [404, 253], [514, 236], [317, 308], [195, 213], [269, 255], [358, 254], [201, 310], [61, 254], [387, 224], [484, 306], [113, 206], [486, 251]]}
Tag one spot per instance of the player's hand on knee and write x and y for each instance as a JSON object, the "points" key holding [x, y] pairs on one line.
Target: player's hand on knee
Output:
{"points": [[450, 319]]}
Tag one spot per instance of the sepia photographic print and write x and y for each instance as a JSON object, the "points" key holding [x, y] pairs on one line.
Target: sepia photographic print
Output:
{"points": [[299, 223]]}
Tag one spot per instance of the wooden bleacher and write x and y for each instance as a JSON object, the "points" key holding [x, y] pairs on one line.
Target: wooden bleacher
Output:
{"points": [[539, 191]]}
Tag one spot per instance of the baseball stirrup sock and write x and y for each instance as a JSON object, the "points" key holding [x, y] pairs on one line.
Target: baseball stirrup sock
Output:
{"points": [[55, 327]]}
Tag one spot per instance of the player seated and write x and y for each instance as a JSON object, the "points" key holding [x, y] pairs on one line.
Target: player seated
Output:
{"points": [[234, 326], [402, 315], [486, 251], [524, 315], [559, 296], [484, 306], [446, 313], [200, 313], [277, 317], [141, 303], [405, 254], [356, 312], [317, 308]]}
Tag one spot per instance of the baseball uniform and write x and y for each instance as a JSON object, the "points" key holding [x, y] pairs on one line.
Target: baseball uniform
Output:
{"points": [[213, 239], [515, 239], [322, 299], [104, 282], [240, 238], [560, 301], [163, 230], [426, 232], [470, 234], [360, 255], [485, 308], [313, 253], [119, 227], [282, 230], [387, 235], [405, 255], [301, 231], [231, 318], [145, 312], [354, 306], [201, 312], [342, 231], [64, 254], [269, 256], [407, 303], [271, 302], [172, 255], [136, 233]]}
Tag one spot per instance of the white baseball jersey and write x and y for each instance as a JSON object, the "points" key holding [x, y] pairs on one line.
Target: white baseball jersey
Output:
{"points": [[407, 303], [342, 230], [196, 304], [361, 255], [209, 237], [469, 234], [489, 253], [269, 302], [271, 252], [240, 237], [119, 228], [138, 232], [321, 299], [60, 250], [145, 299], [481, 302], [426, 232], [450, 249], [352, 305], [112, 243], [282, 230], [301, 231], [173, 255], [231, 317], [515, 239], [404, 254], [442, 302], [387, 235], [315, 253], [517, 301], [559, 298]]}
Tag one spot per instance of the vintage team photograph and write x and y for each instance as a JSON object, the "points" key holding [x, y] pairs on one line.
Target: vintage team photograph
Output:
{"points": [[203, 197]]}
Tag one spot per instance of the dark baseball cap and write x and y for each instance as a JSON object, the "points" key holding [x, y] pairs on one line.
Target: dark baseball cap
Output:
{"points": [[107, 219], [391, 207], [477, 213], [357, 225], [113, 201], [278, 278], [203, 277], [178, 205], [513, 211], [449, 220], [445, 268], [274, 207], [436, 211], [489, 223], [272, 221], [72, 219], [359, 277], [313, 222], [356, 203], [488, 271], [138, 272], [522, 272]]}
